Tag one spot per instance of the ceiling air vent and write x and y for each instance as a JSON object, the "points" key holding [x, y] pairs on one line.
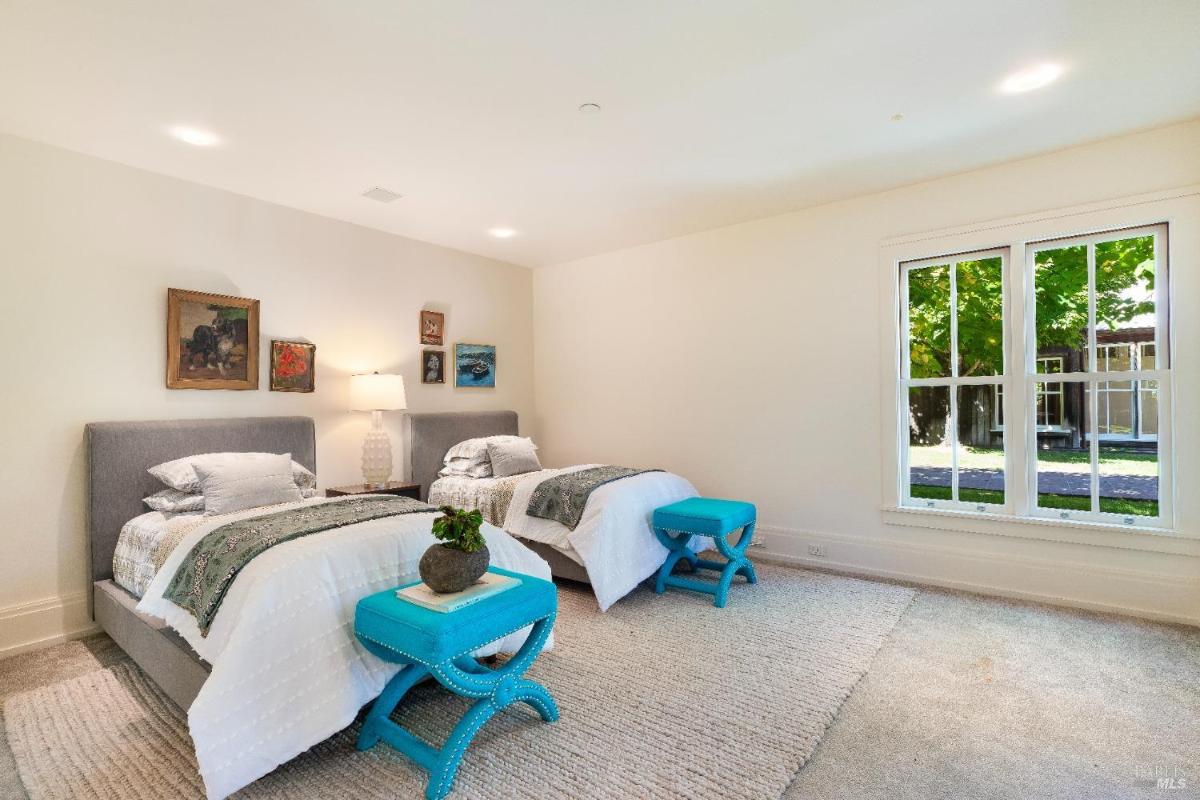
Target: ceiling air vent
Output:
{"points": [[381, 194]]}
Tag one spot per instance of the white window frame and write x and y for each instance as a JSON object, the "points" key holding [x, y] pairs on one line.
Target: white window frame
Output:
{"points": [[953, 381], [1179, 208], [1095, 378], [998, 395]]}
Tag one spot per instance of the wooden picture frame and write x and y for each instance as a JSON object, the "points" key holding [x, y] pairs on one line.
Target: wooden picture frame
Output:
{"points": [[292, 366], [475, 365], [212, 341], [433, 327], [433, 366]]}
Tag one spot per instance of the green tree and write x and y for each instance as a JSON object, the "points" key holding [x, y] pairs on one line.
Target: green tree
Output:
{"points": [[1124, 286]]}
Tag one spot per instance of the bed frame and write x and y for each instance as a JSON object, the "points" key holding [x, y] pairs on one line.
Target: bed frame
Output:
{"points": [[119, 453], [429, 436]]}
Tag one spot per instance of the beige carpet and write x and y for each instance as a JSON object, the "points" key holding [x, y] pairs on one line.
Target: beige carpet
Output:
{"points": [[662, 697]]}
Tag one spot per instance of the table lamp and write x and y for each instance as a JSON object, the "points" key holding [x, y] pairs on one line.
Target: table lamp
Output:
{"points": [[377, 393]]}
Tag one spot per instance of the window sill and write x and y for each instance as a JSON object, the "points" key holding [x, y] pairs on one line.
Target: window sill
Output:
{"points": [[1097, 534]]}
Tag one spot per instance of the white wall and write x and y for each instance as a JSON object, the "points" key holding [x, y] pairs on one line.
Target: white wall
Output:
{"points": [[87, 251], [748, 358]]}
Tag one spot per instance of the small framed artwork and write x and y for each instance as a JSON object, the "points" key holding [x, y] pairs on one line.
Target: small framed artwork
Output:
{"points": [[433, 327], [212, 341], [292, 366], [433, 366], [475, 365]]}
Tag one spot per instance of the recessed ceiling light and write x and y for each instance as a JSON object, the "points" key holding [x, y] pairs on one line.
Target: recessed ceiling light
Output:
{"points": [[589, 108], [897, 117], [502, 233], [1033, 78], [195, 136], [381, 194]]}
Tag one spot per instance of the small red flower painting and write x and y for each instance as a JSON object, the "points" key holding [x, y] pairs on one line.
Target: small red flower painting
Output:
{"points": [[292, 366]]}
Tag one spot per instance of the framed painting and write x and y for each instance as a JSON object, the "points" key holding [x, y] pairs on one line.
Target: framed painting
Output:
{"points": [[212, 341], [433, 327], [475, 365], [292, 365], [433, 366]]}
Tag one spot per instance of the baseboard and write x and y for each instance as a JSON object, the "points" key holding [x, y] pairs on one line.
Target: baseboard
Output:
{"points": [[1114, 590], [41, 623]]}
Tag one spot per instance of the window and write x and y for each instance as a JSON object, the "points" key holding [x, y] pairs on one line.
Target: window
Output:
{"points": [[952, 376], [1102, 296], [1083, 391]]}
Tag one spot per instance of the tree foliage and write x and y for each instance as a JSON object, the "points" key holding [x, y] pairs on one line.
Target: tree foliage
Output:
{"points": [[1124, 286]]}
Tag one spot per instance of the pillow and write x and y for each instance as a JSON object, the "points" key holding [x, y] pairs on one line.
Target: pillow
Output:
{"points": [[462, 468], [236, 485], [476, 449], [173, 501], [181, 473], [513, 458]]}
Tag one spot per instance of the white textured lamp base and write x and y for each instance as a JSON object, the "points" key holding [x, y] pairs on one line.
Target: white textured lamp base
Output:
{"points": [[377, 454]]}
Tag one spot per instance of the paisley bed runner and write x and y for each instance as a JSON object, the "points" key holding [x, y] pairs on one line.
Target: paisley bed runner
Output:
{"points": [[207, 572], [563, 497]]}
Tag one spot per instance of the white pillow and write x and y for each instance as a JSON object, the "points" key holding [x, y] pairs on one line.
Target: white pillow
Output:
{"points": [[513, 458], [173, 501], [476, 449], [181, 473], [236, 485], [461, 468]]}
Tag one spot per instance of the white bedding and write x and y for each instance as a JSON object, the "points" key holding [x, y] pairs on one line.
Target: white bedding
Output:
{"points": [[613, 540], [287, 671]]}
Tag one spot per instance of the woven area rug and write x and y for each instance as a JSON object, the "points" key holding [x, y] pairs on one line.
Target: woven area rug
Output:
{"points": [[662, 697]]}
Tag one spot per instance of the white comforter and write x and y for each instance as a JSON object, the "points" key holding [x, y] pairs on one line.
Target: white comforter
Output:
{"points": [[613, 540], [287, 671]]}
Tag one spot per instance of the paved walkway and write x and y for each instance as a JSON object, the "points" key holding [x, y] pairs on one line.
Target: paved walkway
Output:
{"points": [[1078, 484]]}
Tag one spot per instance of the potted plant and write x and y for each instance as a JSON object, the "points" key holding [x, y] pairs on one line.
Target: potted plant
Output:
{"points": [[461, 558]]}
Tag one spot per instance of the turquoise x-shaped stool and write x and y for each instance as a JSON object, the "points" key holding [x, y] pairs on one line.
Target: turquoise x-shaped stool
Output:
{"points": [[432, 643], [676, 524]]}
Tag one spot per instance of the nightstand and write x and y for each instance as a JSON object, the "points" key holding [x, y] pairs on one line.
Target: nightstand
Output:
{"points": [[412, 490]]}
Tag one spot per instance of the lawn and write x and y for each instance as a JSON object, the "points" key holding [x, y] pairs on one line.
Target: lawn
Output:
{"points": [[1109, 505], [1111, 463]]}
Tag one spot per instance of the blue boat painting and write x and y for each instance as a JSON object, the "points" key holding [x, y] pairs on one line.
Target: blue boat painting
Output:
{"points": [[475, 365]]}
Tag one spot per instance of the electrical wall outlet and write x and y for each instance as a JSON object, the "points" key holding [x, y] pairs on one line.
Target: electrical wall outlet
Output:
{"points": [[817, 550]]}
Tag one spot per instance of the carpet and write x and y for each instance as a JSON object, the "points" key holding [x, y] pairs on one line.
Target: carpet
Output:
{"points": [[661, 697]]}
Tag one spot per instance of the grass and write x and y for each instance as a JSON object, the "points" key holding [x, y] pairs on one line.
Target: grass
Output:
{"points": [[1108, 505], [1111, 462]]}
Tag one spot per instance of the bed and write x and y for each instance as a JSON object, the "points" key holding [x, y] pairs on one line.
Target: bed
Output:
{"points": [[278, 670], [612, 548]]}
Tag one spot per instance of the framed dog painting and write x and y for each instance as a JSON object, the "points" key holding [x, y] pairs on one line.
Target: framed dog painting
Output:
{"points": [[212, 341]]}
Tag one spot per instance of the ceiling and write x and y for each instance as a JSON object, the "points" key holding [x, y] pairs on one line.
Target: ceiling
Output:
{"points": [[714, 112]]}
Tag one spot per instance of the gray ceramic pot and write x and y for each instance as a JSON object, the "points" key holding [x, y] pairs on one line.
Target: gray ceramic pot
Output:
{"points": [[448, 570]]}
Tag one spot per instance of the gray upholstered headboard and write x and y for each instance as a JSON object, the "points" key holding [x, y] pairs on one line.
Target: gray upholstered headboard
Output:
{"points": [[429, 436], [119, 453]]}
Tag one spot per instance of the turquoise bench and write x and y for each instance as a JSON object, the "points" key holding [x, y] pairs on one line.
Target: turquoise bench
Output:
{"points": [[676, 524], [433, 643]]}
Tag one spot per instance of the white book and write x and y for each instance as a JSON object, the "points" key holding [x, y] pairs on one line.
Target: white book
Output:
{"points": [[490, 584]]}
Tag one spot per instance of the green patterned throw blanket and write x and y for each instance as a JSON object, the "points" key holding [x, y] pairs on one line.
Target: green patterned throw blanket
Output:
{"points": [[208, 570], [563, 497]]}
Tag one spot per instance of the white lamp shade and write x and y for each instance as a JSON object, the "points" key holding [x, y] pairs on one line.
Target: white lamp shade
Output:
{"points": [[377, 392]]}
